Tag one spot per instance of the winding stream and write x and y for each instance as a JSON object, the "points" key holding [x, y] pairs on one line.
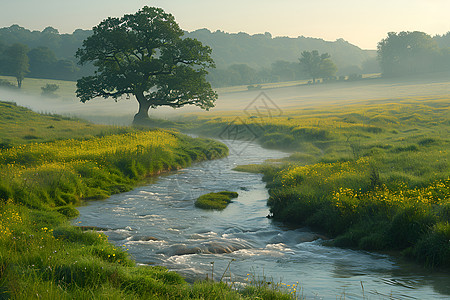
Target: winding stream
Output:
{"points": [[159, 225]]}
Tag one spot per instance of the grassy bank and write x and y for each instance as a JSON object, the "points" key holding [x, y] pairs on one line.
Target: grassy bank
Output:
{"points": [[372, 175], [42, 255], [19, 125]]}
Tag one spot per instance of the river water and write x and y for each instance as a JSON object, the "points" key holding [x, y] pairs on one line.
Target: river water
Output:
{"points": [[159, 225]]}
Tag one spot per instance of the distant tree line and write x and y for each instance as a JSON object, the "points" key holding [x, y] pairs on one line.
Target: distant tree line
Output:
{"points": [[243, 74], [18, 60], [408, 53], [241, 59], [45, 54], [311, 65]]}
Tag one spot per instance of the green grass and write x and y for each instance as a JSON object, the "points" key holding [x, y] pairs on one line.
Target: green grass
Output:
{"points": [[67, 88], [283, 84], [19, 125], [33, 86], [42, 255], [103, 160], [218, 201], [373, 175]]}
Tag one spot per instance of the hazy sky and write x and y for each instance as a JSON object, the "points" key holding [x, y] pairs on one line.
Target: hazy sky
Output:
{"points": [[361, 22]]}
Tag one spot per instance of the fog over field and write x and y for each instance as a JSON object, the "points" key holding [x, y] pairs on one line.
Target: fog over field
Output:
{"points": [[309, 95], [297, 96], [225, 149]]}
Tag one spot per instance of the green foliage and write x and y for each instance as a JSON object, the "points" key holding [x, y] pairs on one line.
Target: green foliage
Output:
{"points": [[64, 172], [6, 83], [5, 193], [49, 89], [45, 47], [317, 66], [374, 176], [434, 247], [42, 254], [217, 201], [17, 62], [408, 53], [259, 51], [151, 62], [68, 211]]}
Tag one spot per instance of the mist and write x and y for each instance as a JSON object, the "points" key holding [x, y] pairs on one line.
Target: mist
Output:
{"points": [[98, 110], [107, 111]]}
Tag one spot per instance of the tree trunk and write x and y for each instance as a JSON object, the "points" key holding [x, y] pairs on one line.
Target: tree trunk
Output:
{"points": [[19, 82], [141, 118]]}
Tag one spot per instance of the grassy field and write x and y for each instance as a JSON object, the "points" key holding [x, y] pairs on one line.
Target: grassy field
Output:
{"points": [[41, 254], [67, 88], [33, 86], [283, 84], [19, 125], [373, 175]]}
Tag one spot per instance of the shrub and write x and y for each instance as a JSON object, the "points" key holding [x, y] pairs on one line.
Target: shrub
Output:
{"points": [[6, 83], [5, 193], [49, 89]]}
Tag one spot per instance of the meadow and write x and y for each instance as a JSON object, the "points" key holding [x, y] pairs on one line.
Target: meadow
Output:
{"points": [[43, 179], [32, 86], [372, 175]]}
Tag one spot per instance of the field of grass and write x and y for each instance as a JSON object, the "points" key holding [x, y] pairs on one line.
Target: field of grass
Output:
{"points": [[372, 175], [19, 125], [33, 86], [41, 254], [67, 88]]}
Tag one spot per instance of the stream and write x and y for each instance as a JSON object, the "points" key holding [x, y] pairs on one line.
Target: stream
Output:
{"points": [[159, 225]]}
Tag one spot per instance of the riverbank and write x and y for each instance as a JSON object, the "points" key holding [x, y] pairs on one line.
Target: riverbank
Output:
{"points": [[372, 175], [42, 255]]}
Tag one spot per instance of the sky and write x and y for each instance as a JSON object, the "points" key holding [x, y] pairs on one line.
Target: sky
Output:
{"points": [[361, 22]]}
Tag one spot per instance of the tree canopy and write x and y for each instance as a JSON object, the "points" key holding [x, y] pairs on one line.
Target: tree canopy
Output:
{"points": [[408, 53], [258, 51], [144, 55], [17, 63], [317, 65]]}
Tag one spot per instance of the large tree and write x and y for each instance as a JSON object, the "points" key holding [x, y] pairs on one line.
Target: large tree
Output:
{"points": [[317, 65], [408, 53], [144, 55], [17, 62]]}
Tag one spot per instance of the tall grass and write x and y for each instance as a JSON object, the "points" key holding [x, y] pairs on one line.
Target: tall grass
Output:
{"points": [[65, 172], [373, 175], [42, 255]]}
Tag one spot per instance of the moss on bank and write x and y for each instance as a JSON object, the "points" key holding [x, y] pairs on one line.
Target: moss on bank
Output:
{"points": [[218, 201]]}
